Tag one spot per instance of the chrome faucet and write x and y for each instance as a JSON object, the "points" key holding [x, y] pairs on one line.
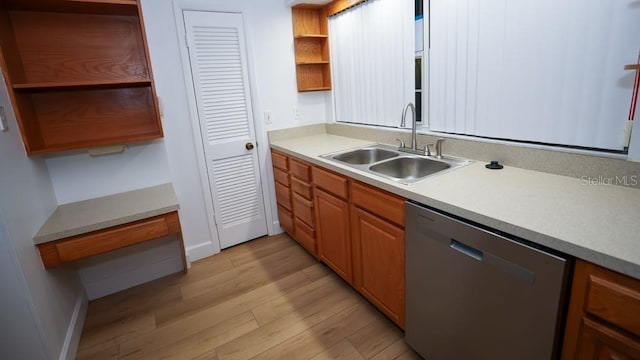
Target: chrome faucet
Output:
{"points": [[414, 143]]}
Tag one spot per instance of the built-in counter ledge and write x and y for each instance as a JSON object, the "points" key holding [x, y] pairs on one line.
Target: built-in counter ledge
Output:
{"points": [[100, 213]]}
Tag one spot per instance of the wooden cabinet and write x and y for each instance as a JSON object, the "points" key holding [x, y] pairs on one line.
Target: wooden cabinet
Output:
{"points": [[311, 47], [332, 221], [604, 315], [283, 191], [303, 209], [378, 262], [357, 229], [78, 73], [377, 235], [79, 247], [294, 195], [334, 243]]}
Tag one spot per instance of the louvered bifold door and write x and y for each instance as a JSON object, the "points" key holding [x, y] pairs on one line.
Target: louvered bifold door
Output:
{"points": [[219, 69]]}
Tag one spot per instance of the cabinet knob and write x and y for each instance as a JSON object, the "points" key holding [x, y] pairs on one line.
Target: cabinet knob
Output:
{"points": [[249, 146]]}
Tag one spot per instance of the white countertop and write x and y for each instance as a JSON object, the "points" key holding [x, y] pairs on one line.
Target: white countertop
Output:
{"points": [[597, 223], [104, 212]]}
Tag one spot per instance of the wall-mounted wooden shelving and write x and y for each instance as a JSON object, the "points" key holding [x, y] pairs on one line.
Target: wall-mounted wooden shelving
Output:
{"points": [[78, 73], [311, 45]]}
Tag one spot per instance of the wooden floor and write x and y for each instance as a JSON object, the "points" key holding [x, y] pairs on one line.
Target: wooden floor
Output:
{"points": [[266, 299]]}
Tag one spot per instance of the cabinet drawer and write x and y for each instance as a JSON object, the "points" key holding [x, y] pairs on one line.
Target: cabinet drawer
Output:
{"points": [[300, 170], [303, 209], [286, 220], [283, 196], [379, 202], [615, 299], [306, 236], [331, 182], [102, 241], [279, 160], [281, 176], [301, 188]]}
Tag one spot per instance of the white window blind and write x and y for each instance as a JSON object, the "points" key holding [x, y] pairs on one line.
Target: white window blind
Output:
{"points": [[372, 61], [544, 71]]}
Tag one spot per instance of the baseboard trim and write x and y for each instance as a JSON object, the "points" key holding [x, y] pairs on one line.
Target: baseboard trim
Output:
{"points": [[200, 251], [74, 331], [276, 228]]}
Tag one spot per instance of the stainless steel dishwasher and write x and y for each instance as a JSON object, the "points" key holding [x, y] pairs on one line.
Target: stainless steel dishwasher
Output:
{"points": [[476, 294]]}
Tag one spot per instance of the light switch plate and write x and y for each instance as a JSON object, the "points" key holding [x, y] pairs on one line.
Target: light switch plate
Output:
{"points": [[3, 120]]}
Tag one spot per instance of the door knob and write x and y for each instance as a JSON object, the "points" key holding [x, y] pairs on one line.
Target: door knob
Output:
{"points": [[249, 146]]}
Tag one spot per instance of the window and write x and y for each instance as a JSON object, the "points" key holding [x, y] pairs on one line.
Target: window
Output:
{"points": [[419, 94], [373, 61], [540, 71], [419, 47]]}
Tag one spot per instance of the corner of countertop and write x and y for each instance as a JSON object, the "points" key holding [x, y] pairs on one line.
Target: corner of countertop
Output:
{"points": [[103, 212]]}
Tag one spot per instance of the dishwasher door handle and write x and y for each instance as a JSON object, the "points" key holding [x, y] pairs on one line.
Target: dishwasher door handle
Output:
{"points": [[466, 249]]}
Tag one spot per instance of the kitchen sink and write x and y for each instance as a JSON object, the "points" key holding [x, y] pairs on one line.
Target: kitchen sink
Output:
{"points": [[365, 156], [390, 163], [409, 168]]}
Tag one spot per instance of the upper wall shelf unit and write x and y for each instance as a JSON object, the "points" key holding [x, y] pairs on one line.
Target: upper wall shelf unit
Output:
{"points": [[311, 41], [311, 44], [78, 73]]}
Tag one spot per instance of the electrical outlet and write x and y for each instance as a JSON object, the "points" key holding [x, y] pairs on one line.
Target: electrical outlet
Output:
{"points": [[296, 113], [268, 117], [3, 120]]}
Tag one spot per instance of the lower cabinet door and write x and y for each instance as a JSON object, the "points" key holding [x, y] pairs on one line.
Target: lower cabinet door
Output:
{"points": [[378, 262], [598, 341], [332, 231]]}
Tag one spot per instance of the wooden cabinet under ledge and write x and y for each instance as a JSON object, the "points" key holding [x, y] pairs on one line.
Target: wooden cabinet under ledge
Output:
{"points": [[311, 46], [78, 73]]}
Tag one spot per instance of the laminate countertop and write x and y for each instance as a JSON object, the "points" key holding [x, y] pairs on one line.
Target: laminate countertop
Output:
{"points": [[586, 218], [104, 212]]}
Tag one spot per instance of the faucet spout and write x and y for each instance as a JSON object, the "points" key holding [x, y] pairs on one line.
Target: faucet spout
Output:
{"points": [[414, 142]]}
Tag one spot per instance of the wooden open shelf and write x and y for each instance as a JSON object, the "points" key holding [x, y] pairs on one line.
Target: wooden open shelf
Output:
{"points": [[105, 7], [313, 77], [83, 84], [78, 73], [310, 36], [311, 46]]}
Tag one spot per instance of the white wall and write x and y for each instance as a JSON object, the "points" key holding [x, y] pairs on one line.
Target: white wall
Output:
{"points": [[79, 176], [26, 200], [21, 337]]}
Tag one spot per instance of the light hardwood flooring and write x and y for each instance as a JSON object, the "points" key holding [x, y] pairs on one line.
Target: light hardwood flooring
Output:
{"points": [[266, 299]]}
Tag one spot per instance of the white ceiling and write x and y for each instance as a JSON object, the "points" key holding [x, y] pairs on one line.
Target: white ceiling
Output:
{"points": [[298, 2]]}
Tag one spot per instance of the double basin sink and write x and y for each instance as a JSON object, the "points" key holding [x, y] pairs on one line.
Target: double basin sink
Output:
{"points": [[388, 162]]}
